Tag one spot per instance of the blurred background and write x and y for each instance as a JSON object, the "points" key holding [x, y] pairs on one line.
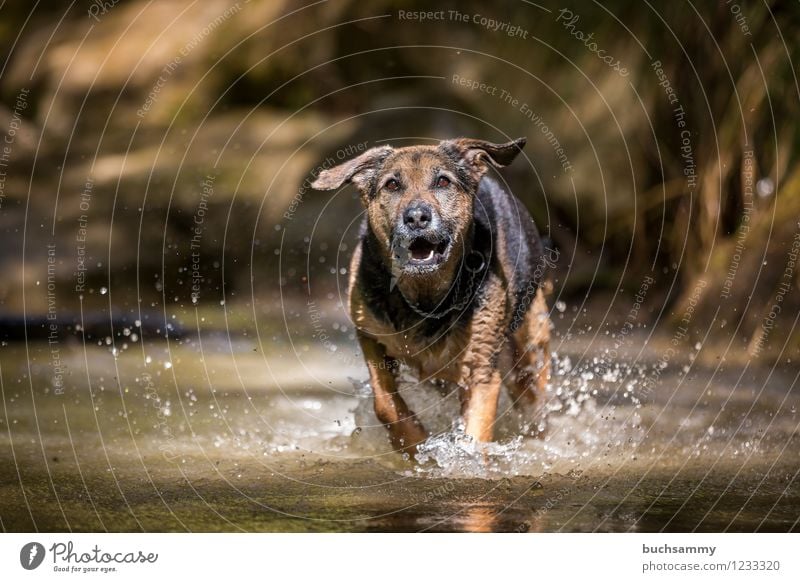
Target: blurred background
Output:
{"points": [[661, 142]]}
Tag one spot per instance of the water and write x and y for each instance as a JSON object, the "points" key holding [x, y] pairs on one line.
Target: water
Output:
{"points": [[214, 436]]}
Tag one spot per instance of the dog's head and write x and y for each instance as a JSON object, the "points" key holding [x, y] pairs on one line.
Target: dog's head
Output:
{"points": [[419, 200]]}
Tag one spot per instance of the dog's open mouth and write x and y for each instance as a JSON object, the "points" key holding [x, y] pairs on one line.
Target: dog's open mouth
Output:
{"points": [[424, 252]]}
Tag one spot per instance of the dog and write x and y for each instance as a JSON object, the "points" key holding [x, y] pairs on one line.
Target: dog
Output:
{"points": [[448, 277]]}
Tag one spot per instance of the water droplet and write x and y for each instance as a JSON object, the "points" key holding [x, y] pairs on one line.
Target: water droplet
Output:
{"points": [[765, 187]]}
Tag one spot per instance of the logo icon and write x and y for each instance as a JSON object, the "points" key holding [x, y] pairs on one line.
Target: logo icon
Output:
{"points": [[31, 555]]}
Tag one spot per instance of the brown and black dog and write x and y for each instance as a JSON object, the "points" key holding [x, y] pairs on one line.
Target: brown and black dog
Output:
{"points": [[447, 278]]}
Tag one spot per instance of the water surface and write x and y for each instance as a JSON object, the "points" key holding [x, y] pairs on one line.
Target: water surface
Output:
{"points": [[214, 436]]}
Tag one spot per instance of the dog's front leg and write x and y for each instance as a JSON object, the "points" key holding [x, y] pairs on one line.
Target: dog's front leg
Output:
{"points": [[479, 403], [480, 377], [405, 429]]}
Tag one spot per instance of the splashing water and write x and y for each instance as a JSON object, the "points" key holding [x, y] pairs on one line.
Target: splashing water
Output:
{"points": [[590, 415]]}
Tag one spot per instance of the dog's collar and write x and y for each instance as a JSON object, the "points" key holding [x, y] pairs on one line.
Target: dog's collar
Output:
{"points": [[474, 263]]}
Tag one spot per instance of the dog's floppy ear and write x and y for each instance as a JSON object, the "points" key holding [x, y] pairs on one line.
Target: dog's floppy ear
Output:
{"points": [[477, 152], [359, 170]]}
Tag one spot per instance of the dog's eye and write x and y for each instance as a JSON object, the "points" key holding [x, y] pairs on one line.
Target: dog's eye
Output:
{"points": [[442, 182], [392, 185]]}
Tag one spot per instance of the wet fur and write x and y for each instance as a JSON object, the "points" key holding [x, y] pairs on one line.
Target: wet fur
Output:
{"points": [[506, 319]]}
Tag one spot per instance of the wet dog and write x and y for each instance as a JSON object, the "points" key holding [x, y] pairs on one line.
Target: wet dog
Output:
{"points": [[447, 277]]}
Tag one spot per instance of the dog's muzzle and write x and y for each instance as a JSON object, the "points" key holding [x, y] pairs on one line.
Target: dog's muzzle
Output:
{"points": [[419, 242]]}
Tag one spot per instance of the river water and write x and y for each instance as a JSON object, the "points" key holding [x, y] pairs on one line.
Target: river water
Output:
{"points": [[279, 435]]}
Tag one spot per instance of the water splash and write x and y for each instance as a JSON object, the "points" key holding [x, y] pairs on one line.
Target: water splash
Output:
{"points": [[591, 414]]}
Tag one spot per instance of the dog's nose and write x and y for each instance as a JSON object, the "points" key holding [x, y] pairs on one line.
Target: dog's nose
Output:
{"points": [[417, 216]]}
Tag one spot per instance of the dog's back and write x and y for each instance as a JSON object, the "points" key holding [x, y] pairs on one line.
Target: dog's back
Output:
{"points": [[505, 226]]}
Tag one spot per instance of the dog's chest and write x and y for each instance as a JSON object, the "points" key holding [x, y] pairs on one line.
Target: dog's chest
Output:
{"points": [[428, 356]]}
